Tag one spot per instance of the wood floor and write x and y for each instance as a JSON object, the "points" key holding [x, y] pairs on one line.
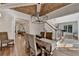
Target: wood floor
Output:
{"points": [[66, 52], [19, 49], [10, 51], [7, 51]]}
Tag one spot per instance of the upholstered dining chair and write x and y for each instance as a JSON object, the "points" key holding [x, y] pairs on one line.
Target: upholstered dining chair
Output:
{"points": [[47, 35], [33, 48], [4, 39]]}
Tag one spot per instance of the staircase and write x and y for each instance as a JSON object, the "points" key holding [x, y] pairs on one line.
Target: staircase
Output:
{"points": [[58, 33]]}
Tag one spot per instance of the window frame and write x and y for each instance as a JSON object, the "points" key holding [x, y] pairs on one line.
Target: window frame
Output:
{"points": [[70, 27], [66, 27]]}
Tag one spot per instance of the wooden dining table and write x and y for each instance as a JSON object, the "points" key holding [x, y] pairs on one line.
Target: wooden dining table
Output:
{"points": [[50, 45]]}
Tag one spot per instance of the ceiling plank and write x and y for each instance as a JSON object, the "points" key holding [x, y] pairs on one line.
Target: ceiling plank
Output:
{"points": [[45, 8], [49, 7], [26, 9]]}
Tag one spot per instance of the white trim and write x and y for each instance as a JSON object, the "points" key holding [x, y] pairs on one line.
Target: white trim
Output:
{"points": [[12, 5]]}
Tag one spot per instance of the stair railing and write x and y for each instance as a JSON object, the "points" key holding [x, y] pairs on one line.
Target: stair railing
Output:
{"points": [[56, 29]]}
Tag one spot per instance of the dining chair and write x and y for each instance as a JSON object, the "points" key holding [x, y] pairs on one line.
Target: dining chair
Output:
{"points": [[47, 35], [4, 39], [33, 47]]}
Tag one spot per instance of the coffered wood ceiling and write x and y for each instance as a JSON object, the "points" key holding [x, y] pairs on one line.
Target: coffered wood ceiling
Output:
{"points": [[45, 8]]}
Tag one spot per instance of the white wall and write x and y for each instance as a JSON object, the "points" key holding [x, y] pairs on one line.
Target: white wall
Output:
{"points": [[51, 22], [7, 24], [74, 27], [67, 18]]}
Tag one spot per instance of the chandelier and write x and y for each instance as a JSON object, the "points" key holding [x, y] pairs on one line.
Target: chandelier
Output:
{"points": [[36, 18]]}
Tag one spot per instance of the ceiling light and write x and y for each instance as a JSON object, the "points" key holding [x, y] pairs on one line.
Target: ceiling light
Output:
{"points": [[36, 18]]}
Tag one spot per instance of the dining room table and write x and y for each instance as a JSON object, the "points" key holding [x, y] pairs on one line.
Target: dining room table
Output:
{"points": [[49, 45]]}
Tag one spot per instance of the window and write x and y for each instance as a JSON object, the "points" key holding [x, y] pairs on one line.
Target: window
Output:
{"points": [[65, 28], [70, 28]]}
